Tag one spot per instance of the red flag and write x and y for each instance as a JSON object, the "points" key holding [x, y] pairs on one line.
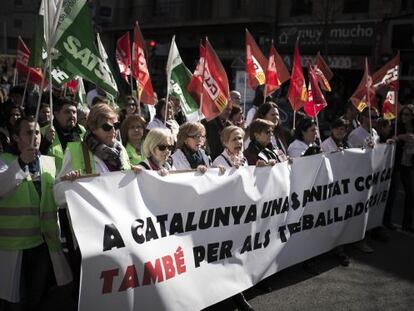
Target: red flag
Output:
{"points": [[72, 85], [316, 101], [297, 93], [323, 73], [140, 69], [123, 56], [276, 72], [22, 60], [364, 95], [390, 106], [323, 66], [388, 75], [195, 86], [256, 63], [216, 85]]}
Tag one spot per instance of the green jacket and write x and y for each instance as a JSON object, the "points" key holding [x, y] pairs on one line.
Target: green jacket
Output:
{"points": [[27, 220], [134, 158]]}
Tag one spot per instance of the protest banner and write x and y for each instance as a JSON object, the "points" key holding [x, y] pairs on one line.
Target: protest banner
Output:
{"points": [[186, 241]]}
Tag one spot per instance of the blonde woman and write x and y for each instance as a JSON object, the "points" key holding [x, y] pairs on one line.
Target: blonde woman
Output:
{"points": [[157, 149], [190, 143], [232, 139]]}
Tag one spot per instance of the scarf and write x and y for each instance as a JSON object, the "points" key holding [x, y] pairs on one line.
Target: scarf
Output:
{"points": [[237, 159], [194, 158], [110, 155]]}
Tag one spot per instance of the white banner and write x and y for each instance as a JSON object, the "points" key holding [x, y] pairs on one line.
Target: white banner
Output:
{"points": [[186, 241]]}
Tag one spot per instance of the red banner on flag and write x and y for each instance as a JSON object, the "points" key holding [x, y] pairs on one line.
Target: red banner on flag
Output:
{"points": [[22, 60], [72, 86], [123, 56], [297, 93], [388, 75], [256, 63], [364, 95], [140, 69], [276, 72], [316, 101], [216, 85]]}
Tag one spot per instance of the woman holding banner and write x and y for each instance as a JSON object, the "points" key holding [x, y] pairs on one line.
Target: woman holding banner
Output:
{"points": [[100, 151], [232, 139], [190, 142], [260, 151], [157, 149], [281, 136]]}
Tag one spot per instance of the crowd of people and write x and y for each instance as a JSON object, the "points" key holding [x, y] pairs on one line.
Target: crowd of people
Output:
{"points": [[74, 140]]}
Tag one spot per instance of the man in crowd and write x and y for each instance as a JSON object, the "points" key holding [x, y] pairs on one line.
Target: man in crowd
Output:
{"points": [[65, 129], [30, 250], [361, 136]]}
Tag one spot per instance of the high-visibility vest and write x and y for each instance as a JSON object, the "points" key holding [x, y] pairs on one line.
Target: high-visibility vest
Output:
{"points": [[27, 220], [134, 158], [81, 157], [56, 149]]}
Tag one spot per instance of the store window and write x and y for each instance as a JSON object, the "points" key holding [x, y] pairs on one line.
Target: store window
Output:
{"points": [[301, 7], [356, 6]]}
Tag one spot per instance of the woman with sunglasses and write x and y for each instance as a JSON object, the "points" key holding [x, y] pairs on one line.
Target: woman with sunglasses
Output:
{"points": [[260, 150], [132, 135], [100, 151], [190, 142], [157, 149]]}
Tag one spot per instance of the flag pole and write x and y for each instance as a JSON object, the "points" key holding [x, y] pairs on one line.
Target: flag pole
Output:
{"points": [[244, 94], [317, 124], [202, 83], [15, 76], [294, 119], [396, 113], [167, 99], [25, 86]]}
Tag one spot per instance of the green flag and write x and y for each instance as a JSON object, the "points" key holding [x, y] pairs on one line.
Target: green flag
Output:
{"points": [[178, 77], [75, 51]]}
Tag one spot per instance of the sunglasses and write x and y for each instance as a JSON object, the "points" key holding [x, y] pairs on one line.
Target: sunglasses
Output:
{"points": [[108, 127], [163, 147]]}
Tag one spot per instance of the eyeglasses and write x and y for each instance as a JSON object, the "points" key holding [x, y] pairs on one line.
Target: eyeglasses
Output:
{"points": [[108, 127], [163, 147], [198, 136], [137, 127]]}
